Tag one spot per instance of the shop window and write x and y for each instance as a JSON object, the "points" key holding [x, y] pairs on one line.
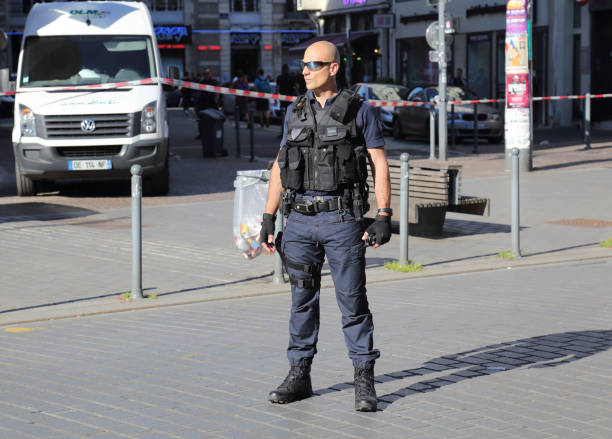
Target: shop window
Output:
{"points": [[479, 64], [245, 5], [165, 5], [414, 67]]}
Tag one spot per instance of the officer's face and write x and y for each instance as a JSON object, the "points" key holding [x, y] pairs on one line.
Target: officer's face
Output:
{"points": [[319, 67]]}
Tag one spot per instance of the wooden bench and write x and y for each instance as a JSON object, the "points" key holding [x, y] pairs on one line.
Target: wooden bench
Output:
{"points": [[434, 188]]}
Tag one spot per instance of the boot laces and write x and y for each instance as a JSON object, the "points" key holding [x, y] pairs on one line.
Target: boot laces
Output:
{"points": [[295, 373], [364, 382]]}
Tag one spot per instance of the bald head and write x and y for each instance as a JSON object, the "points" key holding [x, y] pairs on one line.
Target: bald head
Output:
{"points": [[322, 51]]}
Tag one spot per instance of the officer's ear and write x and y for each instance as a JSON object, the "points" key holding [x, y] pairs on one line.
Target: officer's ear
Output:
{"points": [[333, 68]]}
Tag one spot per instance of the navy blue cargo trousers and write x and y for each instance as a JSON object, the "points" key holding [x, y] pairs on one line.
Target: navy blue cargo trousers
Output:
{"points": [[307, 239]]}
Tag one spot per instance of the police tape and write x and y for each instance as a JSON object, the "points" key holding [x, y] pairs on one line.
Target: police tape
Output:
{"points": [[255, 94]]}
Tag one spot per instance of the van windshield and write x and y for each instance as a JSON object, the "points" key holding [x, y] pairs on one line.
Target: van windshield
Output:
{"points": [[81, 60]]}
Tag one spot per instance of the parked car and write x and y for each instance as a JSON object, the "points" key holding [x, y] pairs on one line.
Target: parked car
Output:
{"points": [[229, 103], [414, 120], [383, 92]]}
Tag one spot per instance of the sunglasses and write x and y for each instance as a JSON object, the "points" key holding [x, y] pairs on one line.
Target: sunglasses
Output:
{"points": [[315, 65]]}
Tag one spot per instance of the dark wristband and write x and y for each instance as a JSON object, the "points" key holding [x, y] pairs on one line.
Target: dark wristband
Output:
{"points": [[385, 210]]}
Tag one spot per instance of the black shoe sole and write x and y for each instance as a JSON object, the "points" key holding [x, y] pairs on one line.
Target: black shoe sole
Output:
{"points": [[287, 401], [365, 407]]}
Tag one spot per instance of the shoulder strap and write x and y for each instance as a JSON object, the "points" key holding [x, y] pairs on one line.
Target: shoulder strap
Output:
{"points": [[345, 107]]}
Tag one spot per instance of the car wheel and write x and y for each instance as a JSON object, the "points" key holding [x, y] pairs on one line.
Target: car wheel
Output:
{"points": [[397, 129], [26, 187]]}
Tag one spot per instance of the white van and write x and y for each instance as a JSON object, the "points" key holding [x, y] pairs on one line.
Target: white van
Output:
{"points": [[89, 133]]}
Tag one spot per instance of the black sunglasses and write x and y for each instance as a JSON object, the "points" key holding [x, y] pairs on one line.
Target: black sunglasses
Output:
{"points": [[315, 65]]}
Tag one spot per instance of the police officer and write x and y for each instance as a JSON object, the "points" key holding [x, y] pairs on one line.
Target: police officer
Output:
{"points": [[318, 179]]}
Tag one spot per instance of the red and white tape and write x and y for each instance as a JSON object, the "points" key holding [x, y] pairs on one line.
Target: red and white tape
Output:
{"points": [[255, 94]]}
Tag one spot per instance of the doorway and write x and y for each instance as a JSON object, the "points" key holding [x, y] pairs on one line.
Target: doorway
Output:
{"points": [[246, 61]]}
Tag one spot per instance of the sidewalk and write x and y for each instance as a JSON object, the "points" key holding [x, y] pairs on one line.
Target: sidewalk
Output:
{"points": [[473, 346], [61, 260]]}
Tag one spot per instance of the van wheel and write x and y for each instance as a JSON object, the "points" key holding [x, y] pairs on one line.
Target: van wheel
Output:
{"points": [[26, 187], [158, 184]]}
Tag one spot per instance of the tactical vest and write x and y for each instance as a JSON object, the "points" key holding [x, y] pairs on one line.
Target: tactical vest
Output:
{"points": [[324, 151]]}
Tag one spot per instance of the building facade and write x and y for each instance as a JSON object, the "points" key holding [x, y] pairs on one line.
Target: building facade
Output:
{"points": [[563, 60], [225, 36]]}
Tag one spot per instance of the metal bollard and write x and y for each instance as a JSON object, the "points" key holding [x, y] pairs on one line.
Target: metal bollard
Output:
{"points": [[452, 127], [475, 149], [587, 121], [237, 119], [432, 134], [136, 171], [404, 200], [252, 134], [516, 226], [278, 262]]}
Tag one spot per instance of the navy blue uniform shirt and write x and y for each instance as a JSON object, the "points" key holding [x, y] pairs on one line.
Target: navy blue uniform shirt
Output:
{"points": [[366, 121]]}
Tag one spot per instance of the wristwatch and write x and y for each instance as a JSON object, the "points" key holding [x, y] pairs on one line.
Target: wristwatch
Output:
{"points": [[385, 210]]}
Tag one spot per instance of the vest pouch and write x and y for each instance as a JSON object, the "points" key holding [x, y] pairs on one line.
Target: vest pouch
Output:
{"points": [[347, 172], [326, 174], [291, 166], [361, 163]]}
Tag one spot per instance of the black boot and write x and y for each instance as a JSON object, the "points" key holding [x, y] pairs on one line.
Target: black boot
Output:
{"points": [[296, 386], [365, 394]]}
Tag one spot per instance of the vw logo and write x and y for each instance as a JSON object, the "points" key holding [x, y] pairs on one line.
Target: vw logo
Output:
{"points": [[88, 125]]}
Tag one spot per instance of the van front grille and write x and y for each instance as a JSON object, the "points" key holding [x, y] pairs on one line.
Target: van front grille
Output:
{"points": [[89, 151], [106, 125]]}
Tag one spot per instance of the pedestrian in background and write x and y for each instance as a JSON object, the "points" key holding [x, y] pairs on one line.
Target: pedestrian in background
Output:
{"points": [[458, 78], [242, 101], [286, 84], [325, 197], [186, 95], [262, 105]]}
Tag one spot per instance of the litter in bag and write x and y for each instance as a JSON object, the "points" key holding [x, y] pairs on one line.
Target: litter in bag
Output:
{"points": [[251, 191]]}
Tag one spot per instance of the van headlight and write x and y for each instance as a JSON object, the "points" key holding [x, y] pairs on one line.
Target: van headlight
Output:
{"points": [[28, 121], [148, 121]]}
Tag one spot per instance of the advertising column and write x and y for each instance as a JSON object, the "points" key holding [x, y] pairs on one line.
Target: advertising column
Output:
{"points": [[518, 90]]}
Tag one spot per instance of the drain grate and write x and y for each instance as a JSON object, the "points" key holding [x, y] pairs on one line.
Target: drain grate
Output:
{"points": [[584, 222]]}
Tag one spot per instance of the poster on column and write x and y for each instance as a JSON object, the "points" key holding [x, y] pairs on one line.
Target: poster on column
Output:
{"points": [[517, 124], [517, 90], [516, 127], [517, 53]]}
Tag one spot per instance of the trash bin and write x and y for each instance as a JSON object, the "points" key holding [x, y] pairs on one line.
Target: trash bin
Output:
{"points": [[210, 124], [249, 205]]}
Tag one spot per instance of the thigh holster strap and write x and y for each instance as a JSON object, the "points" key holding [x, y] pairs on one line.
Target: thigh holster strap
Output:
{"points": [[313, 283], [307, 268]]}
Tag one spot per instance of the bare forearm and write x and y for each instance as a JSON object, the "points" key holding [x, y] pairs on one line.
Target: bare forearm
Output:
{"points": [[274, 190], [380, 171]]}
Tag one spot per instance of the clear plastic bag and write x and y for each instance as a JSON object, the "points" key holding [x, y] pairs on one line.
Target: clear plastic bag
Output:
{"points": [[251, 191]]}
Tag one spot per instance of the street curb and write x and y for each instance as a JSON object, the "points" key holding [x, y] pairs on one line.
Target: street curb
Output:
{"points": [[111, 306]]}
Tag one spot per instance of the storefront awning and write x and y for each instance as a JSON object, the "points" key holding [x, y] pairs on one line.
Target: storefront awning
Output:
{"points": [[338, 40]]}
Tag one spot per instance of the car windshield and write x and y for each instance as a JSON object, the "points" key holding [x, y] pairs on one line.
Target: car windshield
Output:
{"points": [[389, 92], [81, 60], [453, 93]]}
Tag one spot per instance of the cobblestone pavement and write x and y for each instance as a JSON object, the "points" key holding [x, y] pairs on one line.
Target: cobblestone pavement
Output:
{"points": [[521, 353]]}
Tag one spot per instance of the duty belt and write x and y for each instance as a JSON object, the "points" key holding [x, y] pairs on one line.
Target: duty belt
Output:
{"points": [[310, 207]]}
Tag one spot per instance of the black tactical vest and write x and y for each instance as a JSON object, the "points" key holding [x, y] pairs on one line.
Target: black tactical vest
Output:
{"points": [[323, 151]]}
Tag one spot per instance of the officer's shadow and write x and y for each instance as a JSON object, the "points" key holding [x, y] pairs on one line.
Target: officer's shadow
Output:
{"points": [[537, 352]]}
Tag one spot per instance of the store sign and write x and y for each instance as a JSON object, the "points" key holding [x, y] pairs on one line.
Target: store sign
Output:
{"points": [[245, 39], [293, 38], [384, 21], [173, 34], [354, 2]]}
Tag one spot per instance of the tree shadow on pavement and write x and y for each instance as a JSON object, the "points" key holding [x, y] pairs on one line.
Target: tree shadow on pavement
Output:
{"points": [[544, 351]]}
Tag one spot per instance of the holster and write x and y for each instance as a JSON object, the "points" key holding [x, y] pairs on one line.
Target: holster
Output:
{"points": [[287, 199]]}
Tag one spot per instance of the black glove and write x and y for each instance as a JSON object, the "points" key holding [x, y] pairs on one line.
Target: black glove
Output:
{"points": [[267, 228], [379, 231]]}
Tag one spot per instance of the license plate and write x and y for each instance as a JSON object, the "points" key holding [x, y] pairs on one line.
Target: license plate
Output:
{"points": [[88, 165]]}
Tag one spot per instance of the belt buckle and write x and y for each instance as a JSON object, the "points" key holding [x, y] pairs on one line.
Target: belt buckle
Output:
{"points": [[305, 207]]}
